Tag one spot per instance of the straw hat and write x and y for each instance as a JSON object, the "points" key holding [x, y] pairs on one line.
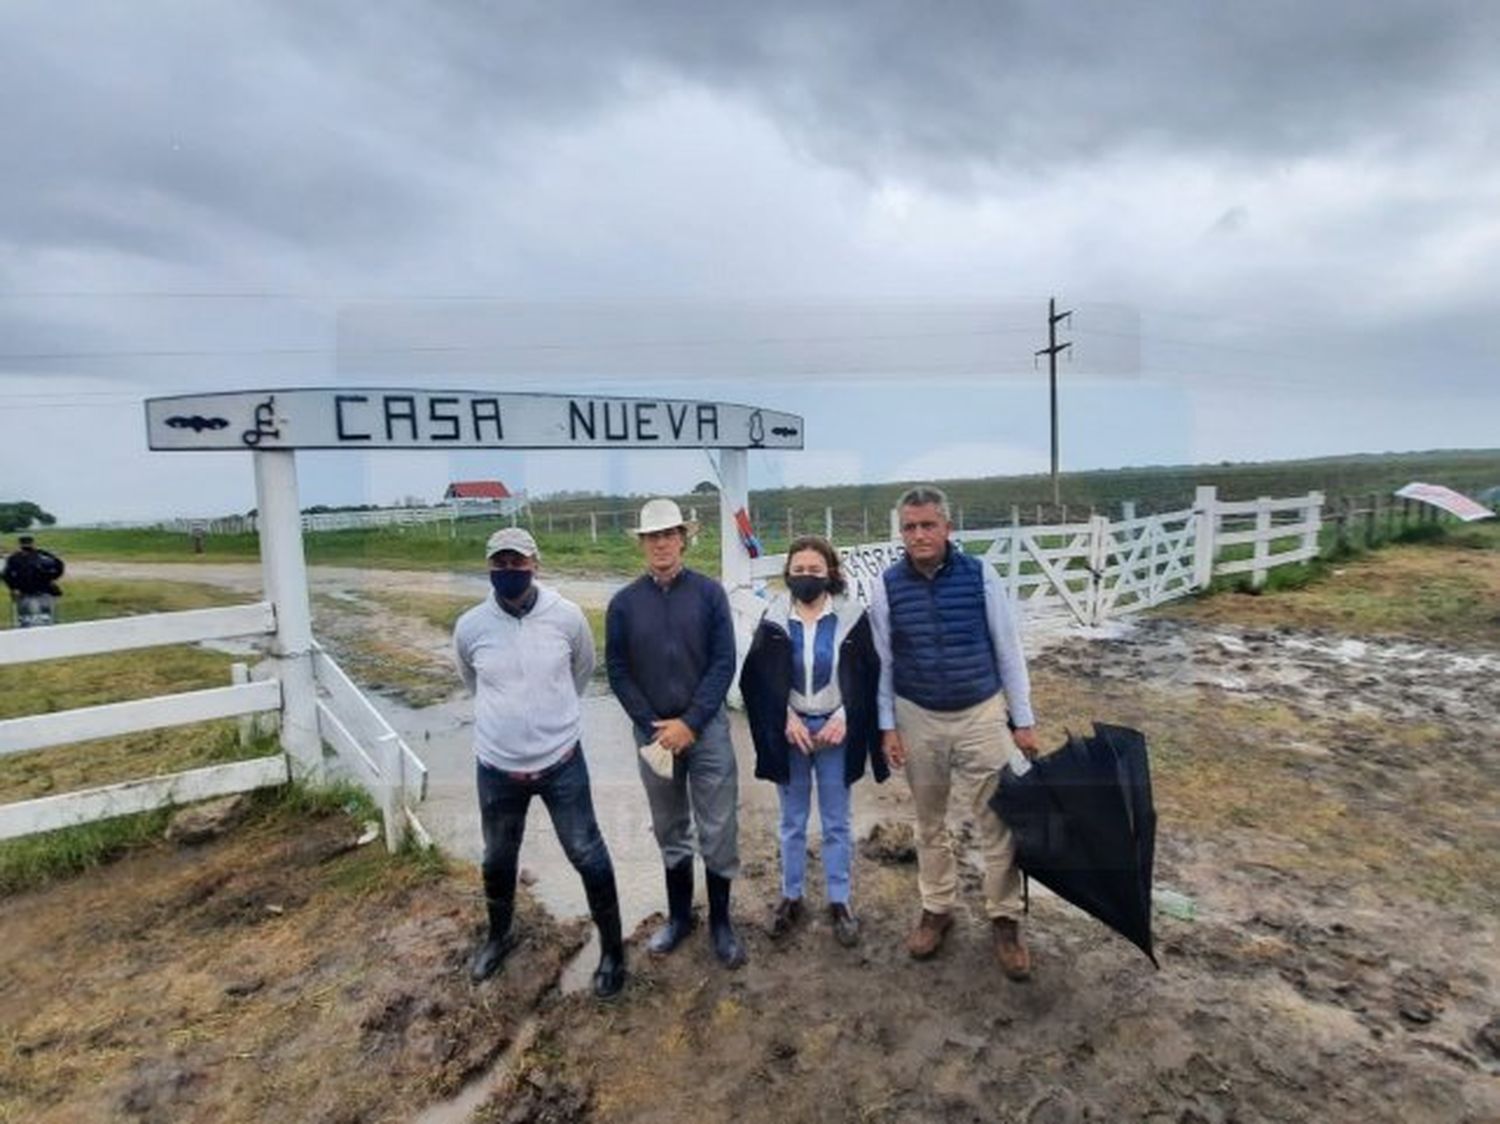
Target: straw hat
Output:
{"points": [[662, 515]]}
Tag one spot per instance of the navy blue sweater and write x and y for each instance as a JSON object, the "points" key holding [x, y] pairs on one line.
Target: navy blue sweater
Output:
{"points": [[670, 651]]}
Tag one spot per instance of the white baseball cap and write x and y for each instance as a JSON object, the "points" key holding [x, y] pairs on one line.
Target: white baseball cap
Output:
{"points": [[661, 515], [512, 538]]}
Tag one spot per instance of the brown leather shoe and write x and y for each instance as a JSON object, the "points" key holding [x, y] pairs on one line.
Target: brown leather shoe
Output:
{"points": [[928, 936], [1014, 957], [785, 918]]}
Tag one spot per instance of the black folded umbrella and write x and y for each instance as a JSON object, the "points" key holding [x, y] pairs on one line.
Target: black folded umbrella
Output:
{"points": [[1085, 827]]}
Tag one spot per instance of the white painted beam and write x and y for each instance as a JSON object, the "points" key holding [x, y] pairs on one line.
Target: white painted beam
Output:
{"points": [[69, 809], [38, 731], [118, 634]]}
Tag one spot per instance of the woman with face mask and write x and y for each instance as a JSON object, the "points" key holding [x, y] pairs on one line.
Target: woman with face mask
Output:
{"points": [[809, 685]]}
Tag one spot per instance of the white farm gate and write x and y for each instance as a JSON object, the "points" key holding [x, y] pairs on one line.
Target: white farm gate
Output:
{"points": [[1087, 573]]}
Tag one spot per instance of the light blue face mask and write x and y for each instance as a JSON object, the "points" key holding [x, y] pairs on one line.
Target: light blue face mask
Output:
{"points": [[510, 585]]}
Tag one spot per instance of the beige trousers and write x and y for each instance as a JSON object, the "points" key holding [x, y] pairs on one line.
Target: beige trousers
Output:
{"points": [[959, 753]]}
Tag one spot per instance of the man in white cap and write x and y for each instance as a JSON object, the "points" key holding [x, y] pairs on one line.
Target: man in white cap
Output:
{"points": [[669, 650], [527, 653]]}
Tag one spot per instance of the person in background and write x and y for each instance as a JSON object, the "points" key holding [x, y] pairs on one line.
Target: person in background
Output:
{"points": [[31, 576], [527, 653], [949, 644], [669, 649], [810, 684]]}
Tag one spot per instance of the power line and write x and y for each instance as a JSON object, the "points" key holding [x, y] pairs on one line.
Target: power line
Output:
{"points": [[454, 349]]}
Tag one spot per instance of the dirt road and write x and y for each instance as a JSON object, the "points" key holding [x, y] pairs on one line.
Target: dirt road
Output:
{"points": [[245, 577]]}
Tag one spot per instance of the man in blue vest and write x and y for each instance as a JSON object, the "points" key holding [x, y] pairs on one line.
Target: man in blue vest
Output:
{"points": [[949, 644]]}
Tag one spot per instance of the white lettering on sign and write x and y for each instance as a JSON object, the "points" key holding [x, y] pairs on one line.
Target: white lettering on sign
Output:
{"points": [[386, 418]]}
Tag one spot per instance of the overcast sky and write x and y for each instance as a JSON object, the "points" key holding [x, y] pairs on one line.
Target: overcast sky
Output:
{"points": [[1276, 222]]}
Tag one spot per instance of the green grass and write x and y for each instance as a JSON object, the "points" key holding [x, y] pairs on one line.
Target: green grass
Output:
{"points": [[53, 685], [39, 860], [91, 599], [433, 546], [442, 612]]}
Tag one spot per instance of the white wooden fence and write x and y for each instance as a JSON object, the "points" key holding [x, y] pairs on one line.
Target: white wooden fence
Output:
{"points": [[381, 761], [410, 516], [330, 520], [1086, 573], [374, 753]]}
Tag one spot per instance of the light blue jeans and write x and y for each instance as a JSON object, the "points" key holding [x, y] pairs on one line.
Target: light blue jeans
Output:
{"points": [[827, 765]]}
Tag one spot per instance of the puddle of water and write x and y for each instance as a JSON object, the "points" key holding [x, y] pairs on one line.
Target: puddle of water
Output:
{"points": [[1399, 679], [458, 1108]]}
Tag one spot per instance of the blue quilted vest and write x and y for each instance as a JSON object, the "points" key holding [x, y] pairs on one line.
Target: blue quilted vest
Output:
{"points": [[941, 654]]}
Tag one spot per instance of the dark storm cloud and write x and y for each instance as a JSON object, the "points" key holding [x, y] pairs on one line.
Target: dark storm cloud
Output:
{"points": [[159, 129], [252, 145]]}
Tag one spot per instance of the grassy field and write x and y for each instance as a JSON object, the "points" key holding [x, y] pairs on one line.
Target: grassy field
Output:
{"points": [[435, 546], [443, 612], [93, 599], [562, 526], [1446, 583]]}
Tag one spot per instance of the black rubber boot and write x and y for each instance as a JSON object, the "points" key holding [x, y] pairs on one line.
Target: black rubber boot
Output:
{"points": [[490, 955], [604, 906], [679, 910], [727, 944]]}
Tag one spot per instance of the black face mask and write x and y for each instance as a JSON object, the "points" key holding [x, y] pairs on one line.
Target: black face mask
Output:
{"points": [[511, 585], [807, 588]]}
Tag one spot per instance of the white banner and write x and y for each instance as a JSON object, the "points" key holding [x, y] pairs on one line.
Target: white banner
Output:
{"points": [[1454, 503], [863, 565]]}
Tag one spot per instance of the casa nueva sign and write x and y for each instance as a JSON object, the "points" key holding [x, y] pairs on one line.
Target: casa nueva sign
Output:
{"points": [[388, 418]]}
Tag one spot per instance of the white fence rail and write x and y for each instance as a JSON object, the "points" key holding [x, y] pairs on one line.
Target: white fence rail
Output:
{"points": [[1086, 573], [383, 764], [38, 731], [377, 757], [410, 516], [48, 813], [121, 634], [330, 520]]}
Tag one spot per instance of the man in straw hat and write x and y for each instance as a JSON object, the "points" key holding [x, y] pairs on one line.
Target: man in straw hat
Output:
{"points": [[527, 653], [669, 649]]}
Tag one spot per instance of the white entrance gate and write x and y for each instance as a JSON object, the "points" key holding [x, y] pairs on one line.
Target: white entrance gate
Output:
{"points": [[319, 704], [1087, 573]]}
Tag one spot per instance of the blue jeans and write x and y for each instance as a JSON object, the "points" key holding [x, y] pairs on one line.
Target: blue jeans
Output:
{"points": [[564, 788], [827, 764]]}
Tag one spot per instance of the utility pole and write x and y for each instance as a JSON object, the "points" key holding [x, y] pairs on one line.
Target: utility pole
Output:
{"points": [[1050, 351]]}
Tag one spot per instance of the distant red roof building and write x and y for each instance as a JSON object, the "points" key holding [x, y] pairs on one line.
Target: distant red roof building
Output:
{"points": [[477, 490]]}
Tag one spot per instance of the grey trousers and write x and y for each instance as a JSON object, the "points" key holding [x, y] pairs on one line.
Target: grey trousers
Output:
{"points": [[704, 792]]}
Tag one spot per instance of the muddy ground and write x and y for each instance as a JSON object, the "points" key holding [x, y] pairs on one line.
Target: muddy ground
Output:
{"points": [[1343, 962], [1328, 785], [281, 972]]}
